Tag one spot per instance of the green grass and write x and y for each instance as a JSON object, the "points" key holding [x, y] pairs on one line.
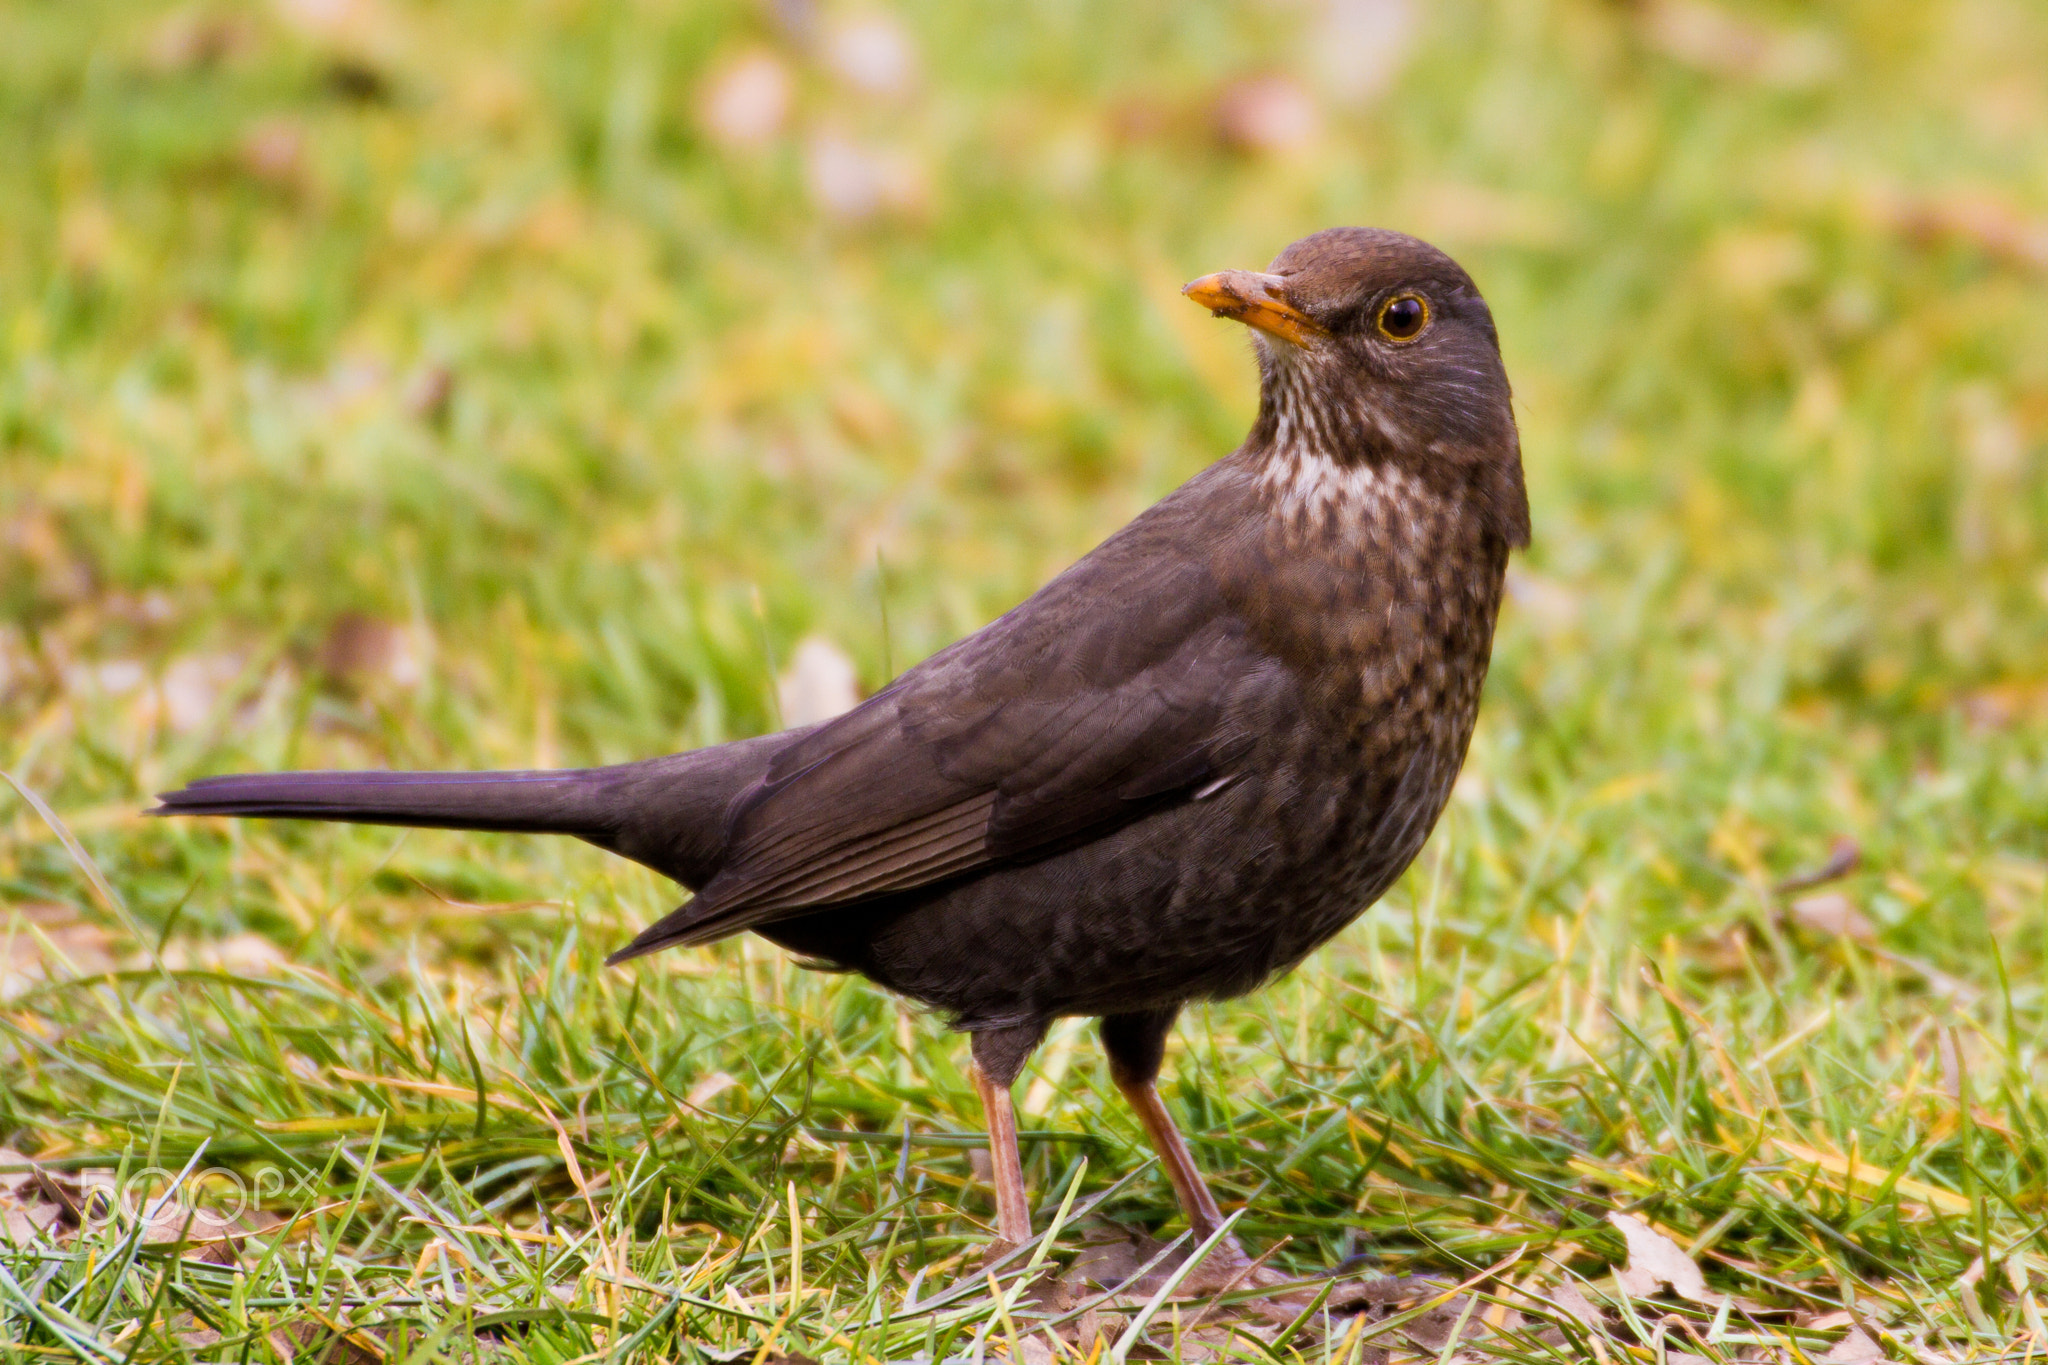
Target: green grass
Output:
{"points": [[451, 320]]}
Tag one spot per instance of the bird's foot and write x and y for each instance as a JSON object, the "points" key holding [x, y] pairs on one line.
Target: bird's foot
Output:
{"points": [[1131, 1263]]}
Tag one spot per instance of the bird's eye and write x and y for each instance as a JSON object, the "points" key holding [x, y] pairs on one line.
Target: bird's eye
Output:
{"points": [[1403, 317]]}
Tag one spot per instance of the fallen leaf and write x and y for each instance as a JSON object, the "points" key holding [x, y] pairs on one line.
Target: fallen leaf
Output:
{"points": [[274, 152], [1568, 1296], [49, 948], [1853, 1349], [1266, 115], [361, 650], [1990, 224], [1835, 915], [81, 1197], [746, 102], [1109, 1256], [243, 954], [110, 678], [428, 392], [873, 53], [328, 1342], [1654, 1260], [192, 40], [192, 686], [1710, 38], [16, 1171], [30, 1225], [2001, 706], [854, 182], [708, 1089]]}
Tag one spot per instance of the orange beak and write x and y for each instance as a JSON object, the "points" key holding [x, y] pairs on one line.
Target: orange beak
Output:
{"points": [[1257, 301]]}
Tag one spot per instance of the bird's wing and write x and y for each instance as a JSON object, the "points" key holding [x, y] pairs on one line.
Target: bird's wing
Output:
{"points": [[1109, 693]]}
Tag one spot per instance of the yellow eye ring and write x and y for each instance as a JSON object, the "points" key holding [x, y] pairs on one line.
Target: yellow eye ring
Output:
{"points": [[1404, 317]]}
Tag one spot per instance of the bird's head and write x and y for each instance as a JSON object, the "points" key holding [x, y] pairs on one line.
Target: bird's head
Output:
{"points": [[1375, 349]]}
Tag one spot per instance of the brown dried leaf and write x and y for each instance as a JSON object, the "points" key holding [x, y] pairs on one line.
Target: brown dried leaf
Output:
{"points": [[28, 1226], [1853, 1349], [1722, 42], [328, 1342], [873, 52], [1654, 1260], [16, 1172], [243, 954], [192, 687], [857, 182], [1833, 914], [746, 102], [2001, 706], [51, 946], [1568, 1296], [1266, 115], [708, 1089], [1992, 225], [360, 650], [1433, 1330], [273, 152], [193, 40], [27, 1217], [1109, 1257], [58, 1203], [428, 392]]}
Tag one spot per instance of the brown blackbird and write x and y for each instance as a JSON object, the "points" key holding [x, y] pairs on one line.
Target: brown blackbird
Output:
{"points": [[1174, 771]]}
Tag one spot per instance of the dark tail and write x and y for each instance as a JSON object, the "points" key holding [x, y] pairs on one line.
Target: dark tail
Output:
{"points": [[533, 802], [666, 813]]}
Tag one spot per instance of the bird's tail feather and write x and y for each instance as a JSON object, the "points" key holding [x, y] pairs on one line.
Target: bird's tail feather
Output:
{"points": [[566, 802], [665, 813]]}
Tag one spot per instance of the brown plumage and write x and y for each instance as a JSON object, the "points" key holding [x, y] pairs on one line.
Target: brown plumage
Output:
{"points": [[1171, 773]]}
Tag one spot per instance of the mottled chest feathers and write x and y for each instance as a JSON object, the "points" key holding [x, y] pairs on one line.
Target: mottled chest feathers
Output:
{"points": [[1314, 491], [1330, 466]]}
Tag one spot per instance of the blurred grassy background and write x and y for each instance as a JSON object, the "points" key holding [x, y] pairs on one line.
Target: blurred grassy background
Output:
{"points": [[455, 384]]}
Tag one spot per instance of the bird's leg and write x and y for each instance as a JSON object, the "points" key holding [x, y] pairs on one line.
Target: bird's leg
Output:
{"points": [[999, 1054], [1195, 1200], [1013, 1210], [1136, 1044]]}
